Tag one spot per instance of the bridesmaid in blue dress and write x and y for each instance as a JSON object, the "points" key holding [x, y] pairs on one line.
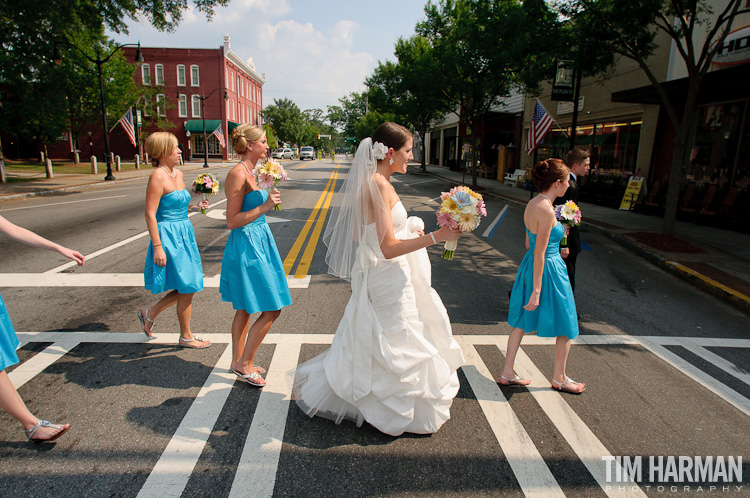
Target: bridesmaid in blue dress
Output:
{"points": [[173, 262], [542, 281], [37, 430], [252, 274]]}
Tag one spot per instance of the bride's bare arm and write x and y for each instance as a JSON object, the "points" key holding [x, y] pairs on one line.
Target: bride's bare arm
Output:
{"points": [[390, 246]]}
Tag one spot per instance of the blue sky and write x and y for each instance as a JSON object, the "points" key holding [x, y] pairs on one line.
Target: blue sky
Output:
{"points": [[313, 52]]}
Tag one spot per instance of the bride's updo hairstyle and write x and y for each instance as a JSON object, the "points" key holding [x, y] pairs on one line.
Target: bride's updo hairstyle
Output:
{"points": [[245, 134], [392, 135], [547, 172], [158, 145]]}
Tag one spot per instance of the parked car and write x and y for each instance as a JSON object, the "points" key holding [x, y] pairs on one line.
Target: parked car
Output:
{"points": [[307, 152], [284, 153]]}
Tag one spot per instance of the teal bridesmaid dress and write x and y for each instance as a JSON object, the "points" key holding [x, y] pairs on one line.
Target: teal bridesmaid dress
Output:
{"points": [[556, 313], [252, 274], [184, 271], [8, 339]]}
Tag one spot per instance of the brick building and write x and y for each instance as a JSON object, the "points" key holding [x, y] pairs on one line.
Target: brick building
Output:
{"points": [[232, 90]]}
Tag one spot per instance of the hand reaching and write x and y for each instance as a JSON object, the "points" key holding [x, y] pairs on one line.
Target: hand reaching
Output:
{"points": [[74, 255]]}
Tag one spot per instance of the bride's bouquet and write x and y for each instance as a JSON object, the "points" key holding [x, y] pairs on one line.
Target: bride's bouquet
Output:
{"points": [[460, 208], [569, 215], [206, 184], [268, 175]]}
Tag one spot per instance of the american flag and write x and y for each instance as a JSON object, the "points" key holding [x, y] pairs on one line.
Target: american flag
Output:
{"points": [[219, 132], [127, 124], [541, 122]]}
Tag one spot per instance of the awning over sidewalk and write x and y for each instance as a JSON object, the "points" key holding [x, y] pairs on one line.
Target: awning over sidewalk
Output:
{"points": [[196, 125], [718, 86]]}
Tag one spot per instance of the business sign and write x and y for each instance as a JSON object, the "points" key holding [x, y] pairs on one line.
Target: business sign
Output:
{"points": [[631, 193], [562, 85], [567, 107], [735, 49]]}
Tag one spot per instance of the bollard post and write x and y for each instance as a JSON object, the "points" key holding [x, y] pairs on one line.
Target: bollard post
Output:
{"points": [[117, 163], [48, 168], [111, 158], [94, 169], [2, 171], [76, 157], [41, 157], [137, 161], [146, 160]]}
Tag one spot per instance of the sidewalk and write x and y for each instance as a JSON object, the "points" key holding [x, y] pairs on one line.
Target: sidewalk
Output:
{"points": [[64, 182], [713, 259]]}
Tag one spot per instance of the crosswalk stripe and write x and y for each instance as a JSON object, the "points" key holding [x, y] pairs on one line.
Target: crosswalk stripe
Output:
{"points": [[529, 467], [719, 362], [256, 472], [108, 280], [37, 363], [579, 436], [172, 472], [714, 385]]}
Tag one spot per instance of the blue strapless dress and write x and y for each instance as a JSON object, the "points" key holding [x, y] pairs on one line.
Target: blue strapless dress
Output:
{"points": [[556, 313], [184, 271], [252, 274], [8, 339]]}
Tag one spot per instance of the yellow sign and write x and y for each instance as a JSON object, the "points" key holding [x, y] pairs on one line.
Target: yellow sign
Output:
{"points": [[631, 193]]}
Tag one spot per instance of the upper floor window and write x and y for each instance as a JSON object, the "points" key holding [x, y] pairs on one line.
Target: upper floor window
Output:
{"points": [[161, 105], [231, 75], [239, 86], [196, 106], [146, 106], [183, 105], [180, 75], [146, 74], [159, 74], [195, 79]]}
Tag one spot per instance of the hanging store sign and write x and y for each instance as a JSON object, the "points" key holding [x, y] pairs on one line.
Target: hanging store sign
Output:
{"points": [[631, 193], [562, 85], [735, 49]]}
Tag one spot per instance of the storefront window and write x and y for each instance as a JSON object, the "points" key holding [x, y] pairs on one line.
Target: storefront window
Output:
{"points": [[719, 156], [214, 148]]}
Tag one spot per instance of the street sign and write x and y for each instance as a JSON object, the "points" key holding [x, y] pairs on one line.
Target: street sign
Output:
{"points": [[631, 193], [562, 85]]}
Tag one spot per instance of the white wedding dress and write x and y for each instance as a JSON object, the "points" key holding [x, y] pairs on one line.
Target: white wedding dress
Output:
{"points": [[393, 359]]}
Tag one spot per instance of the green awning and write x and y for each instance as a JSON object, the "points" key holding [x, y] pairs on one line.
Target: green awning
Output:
{"points": [[196, 125]]}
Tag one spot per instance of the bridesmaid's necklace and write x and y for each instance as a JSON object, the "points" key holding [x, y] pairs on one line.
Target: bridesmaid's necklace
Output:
{"points": [[246, 168], [170, 174], [550, 201]]}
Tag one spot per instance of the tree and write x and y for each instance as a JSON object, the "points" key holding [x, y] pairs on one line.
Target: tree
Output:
{"points": [[411, 88], [487, 48], [286, 119], [345, 117], [629, 29]]}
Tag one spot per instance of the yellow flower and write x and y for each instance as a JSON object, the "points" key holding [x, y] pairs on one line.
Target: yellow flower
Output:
{"points": [[467, 222], [449, 205]]}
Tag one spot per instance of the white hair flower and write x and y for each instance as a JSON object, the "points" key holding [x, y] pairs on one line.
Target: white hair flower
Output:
{"points": [[379, 150]]}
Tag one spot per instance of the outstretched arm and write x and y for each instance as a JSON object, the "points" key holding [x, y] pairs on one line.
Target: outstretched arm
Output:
{"points": [[28, 237]]}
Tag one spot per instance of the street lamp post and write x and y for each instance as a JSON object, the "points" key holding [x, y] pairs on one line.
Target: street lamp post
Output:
{"points": [[203, 117], [57, 59]]}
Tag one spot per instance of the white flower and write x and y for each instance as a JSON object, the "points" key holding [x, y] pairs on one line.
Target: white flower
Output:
{"points": [[379, 150], [567, 212]]}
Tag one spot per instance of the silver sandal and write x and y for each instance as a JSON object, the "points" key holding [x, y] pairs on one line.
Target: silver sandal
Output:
{"points": [[143, 318], [45, 423]]}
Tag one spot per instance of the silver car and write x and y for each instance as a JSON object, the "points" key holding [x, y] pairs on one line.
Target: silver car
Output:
{"points": [[285, 153]]}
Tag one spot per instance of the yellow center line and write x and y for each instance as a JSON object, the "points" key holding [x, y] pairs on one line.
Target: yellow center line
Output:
{"points": [[294, 251], [304, 264]]}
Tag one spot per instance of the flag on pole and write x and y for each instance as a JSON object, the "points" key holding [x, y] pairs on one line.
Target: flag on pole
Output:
{"points": [[219, 132], [541, 122], [127, 124]]}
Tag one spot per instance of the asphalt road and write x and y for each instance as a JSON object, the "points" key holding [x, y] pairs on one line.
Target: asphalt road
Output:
{"points": [[666, 367]]}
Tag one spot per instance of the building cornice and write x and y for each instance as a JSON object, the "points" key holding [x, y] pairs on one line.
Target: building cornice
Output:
{"points": [[244, 66]]}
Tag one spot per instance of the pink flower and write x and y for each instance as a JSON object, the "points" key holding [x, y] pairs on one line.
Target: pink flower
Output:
{"points": [[445, 219], [481, 209]]}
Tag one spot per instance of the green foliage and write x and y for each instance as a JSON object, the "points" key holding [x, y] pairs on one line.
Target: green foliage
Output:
{"points": [[286, 119], [345, 117], [271, 136]]}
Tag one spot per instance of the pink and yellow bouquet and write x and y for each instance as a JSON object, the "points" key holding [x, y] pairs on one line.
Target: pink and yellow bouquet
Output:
{"points": [[268, 175], [460, 208], [569, 215], [206, 184]]}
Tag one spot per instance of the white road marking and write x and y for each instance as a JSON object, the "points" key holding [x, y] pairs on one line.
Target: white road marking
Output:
{"points": [[495, 221], [256, 472], [221, 214], [108, 280], [529, 467], [715, 386], [579, 436], [37, 363], [719, 362], [172, 472], [66, 202], [116, 245], [420, 183]]}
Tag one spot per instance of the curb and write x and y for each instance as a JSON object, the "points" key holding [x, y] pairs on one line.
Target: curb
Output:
{"points": [[727, 294]]}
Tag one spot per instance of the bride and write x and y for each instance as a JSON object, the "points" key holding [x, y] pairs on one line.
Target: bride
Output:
{"points": [[393, 359]]}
